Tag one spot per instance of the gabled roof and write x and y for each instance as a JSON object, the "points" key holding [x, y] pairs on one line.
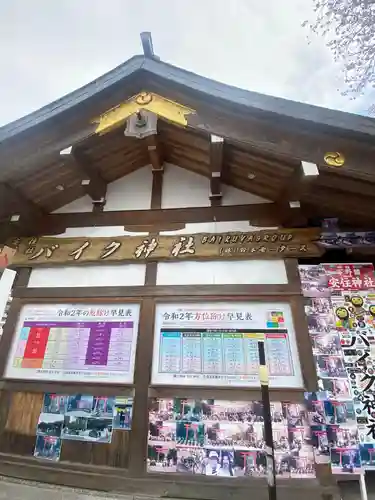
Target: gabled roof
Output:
{"points": [[260, 105], [265, 136]]}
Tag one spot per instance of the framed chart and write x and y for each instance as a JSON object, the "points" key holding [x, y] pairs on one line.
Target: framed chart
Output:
{"points": [[75, 342], [216, 344]]}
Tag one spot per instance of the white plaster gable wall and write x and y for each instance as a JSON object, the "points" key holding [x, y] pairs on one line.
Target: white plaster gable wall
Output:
{"points": [[132, 192], [83, 204], [182, 189], [234, 196]]}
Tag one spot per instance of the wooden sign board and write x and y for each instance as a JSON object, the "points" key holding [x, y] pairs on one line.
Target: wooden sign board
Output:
{"points": [[6, 256], [210, 246]]}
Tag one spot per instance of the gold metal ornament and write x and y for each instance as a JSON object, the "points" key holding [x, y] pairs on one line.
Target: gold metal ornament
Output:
{"points": [[159, 105], [334, 159], [143, 98]]}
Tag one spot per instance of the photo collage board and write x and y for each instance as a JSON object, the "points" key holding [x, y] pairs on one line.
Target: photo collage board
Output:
{"points": [[340, 310], [79, 417], [226, 438]]}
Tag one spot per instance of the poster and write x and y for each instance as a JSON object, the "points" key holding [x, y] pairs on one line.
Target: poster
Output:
{"points": [[79, 417], [342, 332], [216, 344], [75, 342], [226, 438]]}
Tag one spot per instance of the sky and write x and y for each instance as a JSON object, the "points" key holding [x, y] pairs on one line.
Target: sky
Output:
{"points": [[49, 48]]}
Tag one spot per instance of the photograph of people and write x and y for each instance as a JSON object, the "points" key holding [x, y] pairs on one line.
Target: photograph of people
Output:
{"points": [[50, 424], [295, 414], [161, 409], [48, 448], [54, 403], [161, 432], [326, 344], [162, 458], [319, 324], [217, 466], [338, 389], [330, 367]]}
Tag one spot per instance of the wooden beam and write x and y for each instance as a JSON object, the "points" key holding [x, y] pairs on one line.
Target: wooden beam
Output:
{"points": [[155, 152], [260, 214], [289, 200], [14, 203], [216, 169], [93, 183]]}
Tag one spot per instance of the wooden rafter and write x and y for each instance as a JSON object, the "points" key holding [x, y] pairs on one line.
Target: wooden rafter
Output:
{"points": [[94, 185], [216, 169], [290, 197], [21, 206]]}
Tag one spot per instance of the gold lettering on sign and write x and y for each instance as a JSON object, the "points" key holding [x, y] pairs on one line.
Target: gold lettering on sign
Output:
{"points": [[252, 245]]}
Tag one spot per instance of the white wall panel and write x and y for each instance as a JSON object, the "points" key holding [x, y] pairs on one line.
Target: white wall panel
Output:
{"points": [[132, 192], [234, 196], [90, 275], [83, 204], [222, 273], [182, 188]]}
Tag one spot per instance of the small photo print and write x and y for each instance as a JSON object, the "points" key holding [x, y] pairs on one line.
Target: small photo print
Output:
{"points": [[340, 413], [123, 414], [54, 403], [319, 324], [300, 440], [295, 414], [161, 409], [97, 430], [319, 441], [102, 407], [190, 433], [342, 437], [314, 281], [237, 411], [79, 405], [318, 306], [326, 344], [315, 407], [330, 367], [338, 389], [220, 462], [50, 424], [280, 438], [162, 458], [47, 448], [234, 435], [367, 453], [192, 410], [162, 432], [346, 461]]}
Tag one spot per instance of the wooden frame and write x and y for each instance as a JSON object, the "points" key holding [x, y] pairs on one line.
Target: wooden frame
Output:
{"points": [[141, 388]]}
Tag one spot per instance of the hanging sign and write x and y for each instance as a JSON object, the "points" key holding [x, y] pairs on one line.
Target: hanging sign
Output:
{"points": [[75, 343], [217, 345], [249, 245]]}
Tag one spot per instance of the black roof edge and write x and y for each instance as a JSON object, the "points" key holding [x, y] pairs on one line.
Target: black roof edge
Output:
{"points": [[338, 121]]}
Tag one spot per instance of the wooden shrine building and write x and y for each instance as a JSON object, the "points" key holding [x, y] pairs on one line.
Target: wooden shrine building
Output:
{"points": [[146, 201]]}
